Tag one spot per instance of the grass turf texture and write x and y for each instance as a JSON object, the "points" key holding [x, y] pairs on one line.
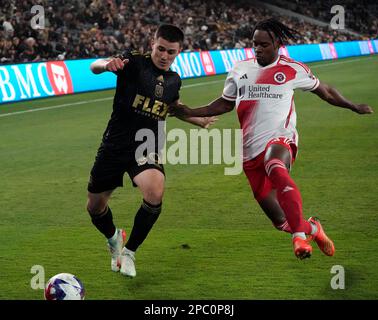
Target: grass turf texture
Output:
{"points": [[212, 241]]}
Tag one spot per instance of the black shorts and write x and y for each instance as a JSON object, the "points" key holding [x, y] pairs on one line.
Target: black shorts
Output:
{"points": [[110, 166]]}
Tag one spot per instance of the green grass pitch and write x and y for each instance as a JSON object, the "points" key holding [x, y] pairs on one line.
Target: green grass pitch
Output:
{"points": [[232, 251]]}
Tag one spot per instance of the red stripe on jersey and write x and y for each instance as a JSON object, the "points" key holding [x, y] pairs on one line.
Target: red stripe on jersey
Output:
{"points": [[246, 110], [284, 58], [277, 75], [290, 112], [246, 114]]}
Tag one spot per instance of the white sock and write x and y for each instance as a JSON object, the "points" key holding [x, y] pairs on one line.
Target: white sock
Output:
{"points": [[314, 228], [301, 235], [113, 239]]}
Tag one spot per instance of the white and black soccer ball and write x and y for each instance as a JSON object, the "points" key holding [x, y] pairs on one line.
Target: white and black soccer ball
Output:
{"points": [[64, 286]]}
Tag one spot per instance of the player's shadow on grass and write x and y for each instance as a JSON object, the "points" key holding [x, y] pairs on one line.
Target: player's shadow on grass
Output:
{"points": [[161, 277]]}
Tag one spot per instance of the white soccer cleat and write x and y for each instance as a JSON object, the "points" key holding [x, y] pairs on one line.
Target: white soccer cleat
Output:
{"points": [[116, 249], [128, 263]]}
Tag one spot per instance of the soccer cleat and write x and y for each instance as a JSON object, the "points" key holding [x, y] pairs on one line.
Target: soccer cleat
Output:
{"points": [[128, 263], [324, 243], [302, 249], [115, 250]]}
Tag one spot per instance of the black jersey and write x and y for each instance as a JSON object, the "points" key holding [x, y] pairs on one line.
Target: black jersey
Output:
{"points": [[142, 96]]}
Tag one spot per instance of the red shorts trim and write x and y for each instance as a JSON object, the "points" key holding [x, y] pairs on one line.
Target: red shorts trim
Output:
{"points": [[255, 169]]}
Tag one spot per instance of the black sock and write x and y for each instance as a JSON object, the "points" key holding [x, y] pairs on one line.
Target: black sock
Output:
{"points": [[104, 223], [143, 222]]}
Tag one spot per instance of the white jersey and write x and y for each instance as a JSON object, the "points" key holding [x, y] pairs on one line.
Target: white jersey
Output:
{"points": [[264, 100]]}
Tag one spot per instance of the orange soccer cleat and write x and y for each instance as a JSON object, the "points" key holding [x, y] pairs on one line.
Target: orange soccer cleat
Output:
{"points": [[302, 249], [324, 243]]}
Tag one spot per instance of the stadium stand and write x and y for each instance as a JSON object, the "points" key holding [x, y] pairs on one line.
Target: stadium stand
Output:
{"points": [[93, 28]]}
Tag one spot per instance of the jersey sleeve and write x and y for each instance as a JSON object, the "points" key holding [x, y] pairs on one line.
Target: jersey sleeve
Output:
{"points": [[230, 87], [304, 79]]}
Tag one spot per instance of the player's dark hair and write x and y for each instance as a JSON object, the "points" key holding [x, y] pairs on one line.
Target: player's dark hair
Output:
{"points": [[170, 33], [282, 32]]}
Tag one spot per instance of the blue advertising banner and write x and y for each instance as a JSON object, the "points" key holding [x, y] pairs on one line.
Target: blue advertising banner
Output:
{"points": [[37, 80]]}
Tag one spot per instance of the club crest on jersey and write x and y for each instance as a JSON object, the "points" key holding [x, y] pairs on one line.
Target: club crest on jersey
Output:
{"points": [[279, 77], [159, 89]]}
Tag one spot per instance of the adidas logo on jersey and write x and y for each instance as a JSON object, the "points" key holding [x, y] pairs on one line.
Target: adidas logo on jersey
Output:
{"points": [[244, 76]]}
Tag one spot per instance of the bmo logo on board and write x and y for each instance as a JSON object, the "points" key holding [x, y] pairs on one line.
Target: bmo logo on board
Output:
{"points": [[59, 77]]}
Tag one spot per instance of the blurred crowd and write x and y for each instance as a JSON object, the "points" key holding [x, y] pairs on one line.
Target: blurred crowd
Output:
{"points": [[360, 16], [93, 28]]}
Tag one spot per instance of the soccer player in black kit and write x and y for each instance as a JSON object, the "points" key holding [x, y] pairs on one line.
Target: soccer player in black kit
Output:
{"points": [[145, 88]]}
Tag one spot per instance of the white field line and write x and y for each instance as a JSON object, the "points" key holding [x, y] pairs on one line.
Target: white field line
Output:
{"points": [[90, 101], [184, 87]]}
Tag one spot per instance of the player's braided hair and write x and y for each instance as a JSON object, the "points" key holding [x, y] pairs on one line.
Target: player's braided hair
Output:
{"points": [[282, 32]]}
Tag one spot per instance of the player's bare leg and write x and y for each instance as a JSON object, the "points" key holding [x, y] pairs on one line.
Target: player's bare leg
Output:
{"points": [[98, 202], [151, 184], [102, 218]]}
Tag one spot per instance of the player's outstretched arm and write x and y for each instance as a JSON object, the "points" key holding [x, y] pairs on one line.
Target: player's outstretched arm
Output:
{"points": [[332, 96], [110, 64], [203, 122], [215, 108]]}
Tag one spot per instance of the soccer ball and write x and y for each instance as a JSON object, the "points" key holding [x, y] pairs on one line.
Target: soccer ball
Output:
{"points": [[64, 286]]}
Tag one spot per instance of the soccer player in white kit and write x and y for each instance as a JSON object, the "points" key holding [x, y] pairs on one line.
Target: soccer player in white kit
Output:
{"points": [[262, 91]]}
